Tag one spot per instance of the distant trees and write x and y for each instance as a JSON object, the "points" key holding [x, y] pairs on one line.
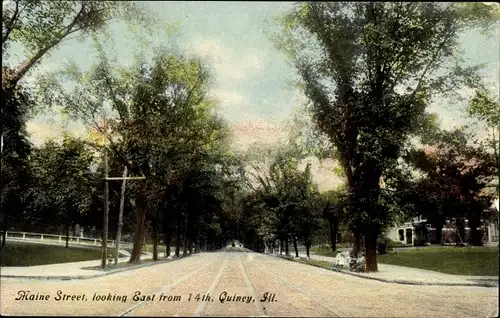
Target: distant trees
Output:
{"points": [[333, 203], [284, 205], [60, 186]]}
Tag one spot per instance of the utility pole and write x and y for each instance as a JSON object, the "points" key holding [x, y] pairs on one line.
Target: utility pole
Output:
{"points": [[104, 251], [120, 216]]}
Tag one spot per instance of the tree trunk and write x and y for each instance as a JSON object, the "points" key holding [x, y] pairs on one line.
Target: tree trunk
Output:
{"points": [[184, 245], [475, 235], [371, 253], [295, 246], [287, 253], [166, 241], [333, 234], [439, 233], [281, 247], [4, 237], [308, 248], [190, 247], [155, 243], [184, 241], [156, 235], [67, 235], [197, 243], [139, 234], [178, 239], [356, 247]]}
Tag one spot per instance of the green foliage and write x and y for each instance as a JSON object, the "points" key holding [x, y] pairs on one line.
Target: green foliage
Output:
{"points": [[15, 151], [60, 187], [285, 203], [384, 245], [456, 179], [483, 106], [38, 25], [369, 70]]}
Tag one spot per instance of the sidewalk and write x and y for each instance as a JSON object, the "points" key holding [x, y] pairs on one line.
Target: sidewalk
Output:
{"points": [[64, 271], [415, 276]]}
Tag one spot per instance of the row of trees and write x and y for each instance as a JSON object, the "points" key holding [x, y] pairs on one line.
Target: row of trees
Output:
{"points": [[369, 71], [445, 178], [165, 130], [158, 123]]}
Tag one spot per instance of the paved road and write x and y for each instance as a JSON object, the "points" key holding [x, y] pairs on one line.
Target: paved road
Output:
{"points": [[298, 289]]}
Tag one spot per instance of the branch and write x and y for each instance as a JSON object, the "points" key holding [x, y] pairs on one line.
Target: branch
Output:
{"points": [[433, 59], [10, 26], [26, 66]]}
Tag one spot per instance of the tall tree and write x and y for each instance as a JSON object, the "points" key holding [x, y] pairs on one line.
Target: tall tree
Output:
{"points": [[15, 148], [369, 70]]}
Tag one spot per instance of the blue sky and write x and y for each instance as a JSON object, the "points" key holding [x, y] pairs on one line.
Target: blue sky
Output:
{"points": [[250, 75]]}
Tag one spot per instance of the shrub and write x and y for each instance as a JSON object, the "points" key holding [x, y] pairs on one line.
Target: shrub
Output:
{"points": [[384, 244], [419, 242]]}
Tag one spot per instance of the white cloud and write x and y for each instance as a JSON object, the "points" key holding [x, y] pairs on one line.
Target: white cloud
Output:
{"points": [[251, 62], [40, 131], [228, 65], [227, 97]]}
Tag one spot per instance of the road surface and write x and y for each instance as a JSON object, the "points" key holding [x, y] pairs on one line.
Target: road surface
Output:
{"points": [[240, 283]]}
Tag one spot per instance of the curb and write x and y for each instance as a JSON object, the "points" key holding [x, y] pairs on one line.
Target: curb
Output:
{"points": [[76, 277], [397, 281]]}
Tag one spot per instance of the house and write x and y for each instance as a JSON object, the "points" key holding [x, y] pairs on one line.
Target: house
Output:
{"points": [[418, 232], [408, 232]]}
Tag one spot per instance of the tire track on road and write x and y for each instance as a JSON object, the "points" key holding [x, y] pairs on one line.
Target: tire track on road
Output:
{"points": [[216, 280], [287, 283], [166, 289], [251, 288]]}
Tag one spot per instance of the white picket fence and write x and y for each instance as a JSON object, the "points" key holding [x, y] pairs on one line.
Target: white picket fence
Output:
{"points": [[61, 239]]}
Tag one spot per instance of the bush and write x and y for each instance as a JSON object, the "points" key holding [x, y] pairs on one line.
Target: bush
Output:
{"points": [[419, 242], [384, 244]]}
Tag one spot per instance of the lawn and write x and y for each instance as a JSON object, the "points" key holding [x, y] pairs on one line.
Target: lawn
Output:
{"points": [[328, 253], [26, 254], [313, 262], [472, 261], [112, 266]]}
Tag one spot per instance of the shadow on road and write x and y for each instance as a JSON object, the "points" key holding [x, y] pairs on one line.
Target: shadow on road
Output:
{"points": [[234, 249]]}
